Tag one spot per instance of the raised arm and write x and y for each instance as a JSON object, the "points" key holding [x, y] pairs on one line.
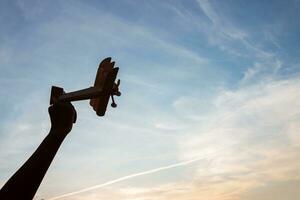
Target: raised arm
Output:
{"points": [[25, 182]]}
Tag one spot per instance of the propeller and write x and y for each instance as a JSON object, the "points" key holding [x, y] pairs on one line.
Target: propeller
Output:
{"points": [[115, 92]]}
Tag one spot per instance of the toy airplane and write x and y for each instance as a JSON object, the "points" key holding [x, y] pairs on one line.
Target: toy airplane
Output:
{"points": [[104, 87]]}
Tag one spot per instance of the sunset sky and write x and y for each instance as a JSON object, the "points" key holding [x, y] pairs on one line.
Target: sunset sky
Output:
{"points": [[210, 105]]}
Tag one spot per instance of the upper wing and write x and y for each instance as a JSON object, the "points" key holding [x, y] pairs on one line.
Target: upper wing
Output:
{"points": [[100, 104], [104, 68]]}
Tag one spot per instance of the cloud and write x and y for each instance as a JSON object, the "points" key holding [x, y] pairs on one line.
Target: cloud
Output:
{"points": [[260, 70], [247, 134], [257, 128], [231, 38], [250, 141], [184, 163]]}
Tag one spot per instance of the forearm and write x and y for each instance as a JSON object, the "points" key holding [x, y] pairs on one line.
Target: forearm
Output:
{"points": [[25, 182]]}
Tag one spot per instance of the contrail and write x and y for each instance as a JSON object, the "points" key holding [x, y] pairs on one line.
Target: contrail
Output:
{"points": [[128, 177]]}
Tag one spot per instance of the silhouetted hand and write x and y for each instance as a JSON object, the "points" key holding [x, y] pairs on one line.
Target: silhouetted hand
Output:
{"points": [[62, 116]]}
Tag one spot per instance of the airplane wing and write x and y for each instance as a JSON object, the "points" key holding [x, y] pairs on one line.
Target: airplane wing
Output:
{"points": [[100, 103], [104, 68]]}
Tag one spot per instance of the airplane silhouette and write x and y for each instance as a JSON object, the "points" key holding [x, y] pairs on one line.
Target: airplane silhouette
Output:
{"points": [[26, 180], [104, 87]]}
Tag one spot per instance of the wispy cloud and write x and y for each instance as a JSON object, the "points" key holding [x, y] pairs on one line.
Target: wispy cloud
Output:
{"points": [[260, 121], [184, 163], [196, 83], [249, 142]]}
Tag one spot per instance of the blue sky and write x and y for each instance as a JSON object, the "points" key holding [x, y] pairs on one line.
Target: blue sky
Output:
{"points": [[215, 81]]}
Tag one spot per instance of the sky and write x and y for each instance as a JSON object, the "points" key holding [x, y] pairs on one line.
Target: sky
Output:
{"points": [[210, 97]]}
